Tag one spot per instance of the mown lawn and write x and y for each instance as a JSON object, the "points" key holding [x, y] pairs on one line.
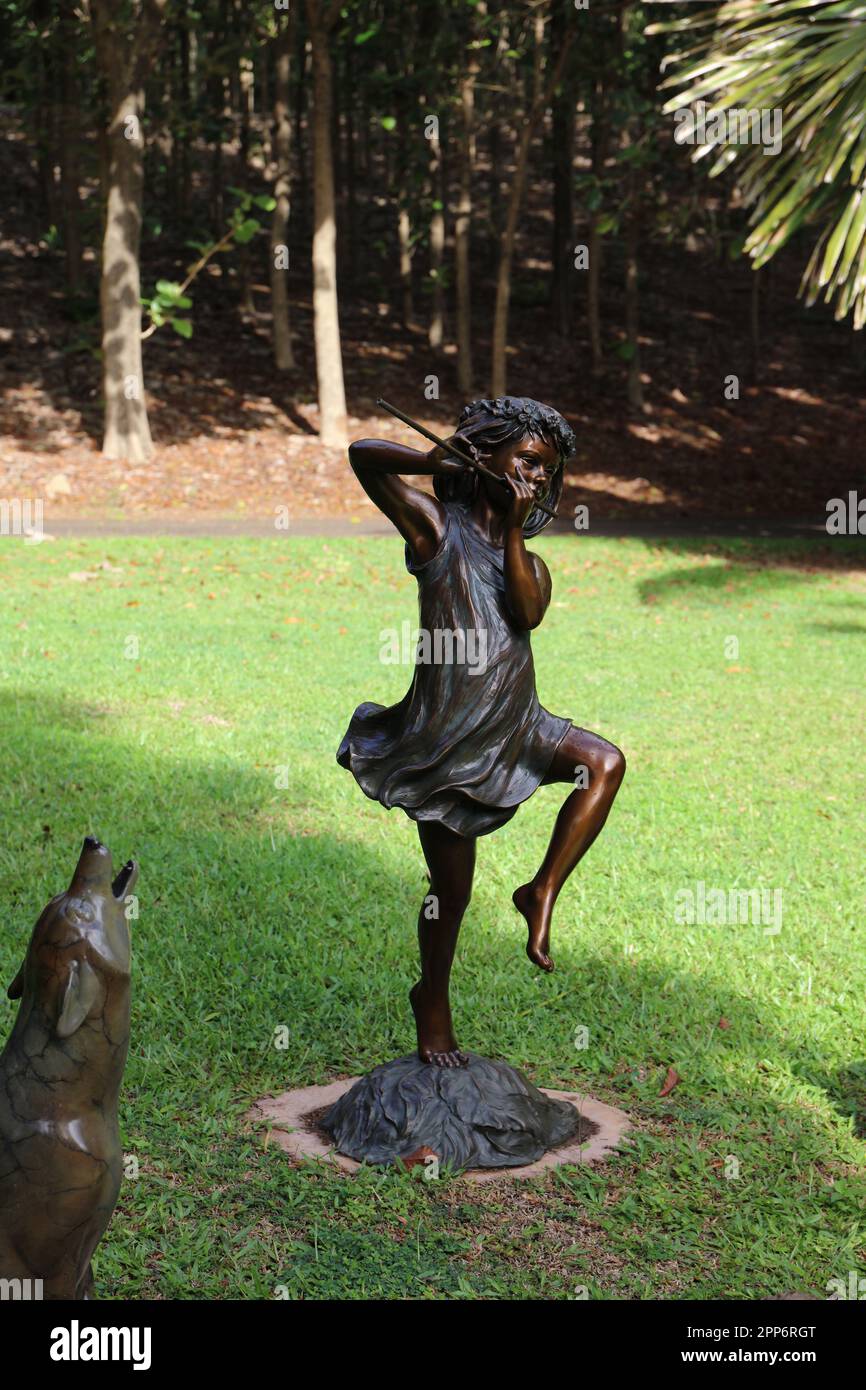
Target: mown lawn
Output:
{"points": [[160, 703]]}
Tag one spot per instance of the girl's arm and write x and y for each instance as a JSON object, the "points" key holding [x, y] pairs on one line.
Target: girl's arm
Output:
{"points": [[527, 578], [419, 518]]}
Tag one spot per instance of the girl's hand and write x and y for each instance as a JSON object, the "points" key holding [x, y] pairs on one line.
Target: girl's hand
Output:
{"points": [[522, 499]]}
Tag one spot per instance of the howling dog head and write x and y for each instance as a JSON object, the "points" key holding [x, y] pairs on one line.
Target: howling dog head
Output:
{"points": [[78, 961]]}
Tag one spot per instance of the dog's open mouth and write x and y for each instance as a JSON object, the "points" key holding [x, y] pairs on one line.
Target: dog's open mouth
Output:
{"points": [[125, 878]]}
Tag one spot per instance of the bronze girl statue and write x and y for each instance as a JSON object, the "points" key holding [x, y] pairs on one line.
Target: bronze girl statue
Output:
{"points": [[469, 741]]}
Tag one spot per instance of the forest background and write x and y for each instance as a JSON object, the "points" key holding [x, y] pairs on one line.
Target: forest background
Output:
{"points": [[228, 228]]}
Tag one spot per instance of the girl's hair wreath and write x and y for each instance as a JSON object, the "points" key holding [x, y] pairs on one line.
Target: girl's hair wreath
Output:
{"points": [[490, 423]]}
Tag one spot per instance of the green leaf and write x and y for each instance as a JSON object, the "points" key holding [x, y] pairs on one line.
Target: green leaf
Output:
{"points": [[167, 290], [247, 230], [838, 237], [389, 122], [265, 202], [183, 327]]}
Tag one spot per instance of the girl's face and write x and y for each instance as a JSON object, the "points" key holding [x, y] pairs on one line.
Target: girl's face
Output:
{"points": [[529, 458]]}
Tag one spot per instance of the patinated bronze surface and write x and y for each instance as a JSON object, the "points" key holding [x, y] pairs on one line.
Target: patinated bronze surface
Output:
{"points": [[60, 1076], [485, 1114], [470, 740]]}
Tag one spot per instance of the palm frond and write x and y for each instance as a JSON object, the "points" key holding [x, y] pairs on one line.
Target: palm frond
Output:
{"points": [[807, 59]]}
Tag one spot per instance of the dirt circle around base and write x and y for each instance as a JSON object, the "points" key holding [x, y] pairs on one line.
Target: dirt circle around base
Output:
{"points": [[291, 1119]]}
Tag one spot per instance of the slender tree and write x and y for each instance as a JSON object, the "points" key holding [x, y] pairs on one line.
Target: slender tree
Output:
{"points": [[541, 93], [69, 147], [562, 168], [125, 55], [436, 326], [463, 227], [281, 152], [244, 75], [321, 19]]}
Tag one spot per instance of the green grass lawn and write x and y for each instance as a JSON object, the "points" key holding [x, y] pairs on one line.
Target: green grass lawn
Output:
{"points": [[157, 705]]}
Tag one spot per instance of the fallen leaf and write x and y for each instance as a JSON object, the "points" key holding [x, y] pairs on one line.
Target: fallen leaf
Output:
{"points": [[672, 1079], [419, 1156]]}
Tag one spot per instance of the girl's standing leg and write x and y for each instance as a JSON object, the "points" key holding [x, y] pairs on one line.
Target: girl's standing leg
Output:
{"points": [[451, 861], [581, 817]]}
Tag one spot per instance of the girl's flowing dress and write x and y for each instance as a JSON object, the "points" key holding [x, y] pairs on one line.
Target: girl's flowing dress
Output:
{"points": [[469, 741]]}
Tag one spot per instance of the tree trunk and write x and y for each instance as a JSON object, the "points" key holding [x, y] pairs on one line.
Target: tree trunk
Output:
{"points": [[463, 229], [537, 104], [562, 135], [494, 147], [503, 275], [436, 327], [404, 234], [124, 60], [353, 228], [400, 68], [264, 75], [301, 67], [632, 241], [185, 114], [336, 147], [326, 322], [600, 139], [593, 295], [755, 324], [282, 334], [245, 89], [127, 432], [497, 137], [214, 91], [70, 144], [45, 121]]}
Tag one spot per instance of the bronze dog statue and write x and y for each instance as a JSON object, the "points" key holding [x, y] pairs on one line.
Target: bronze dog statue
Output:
{"points": [[60, 1075]]}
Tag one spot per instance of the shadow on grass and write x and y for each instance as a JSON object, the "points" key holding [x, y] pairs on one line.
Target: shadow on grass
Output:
{"points": [[841, 629], [746, 567], [248, 925], [846, 1089]]}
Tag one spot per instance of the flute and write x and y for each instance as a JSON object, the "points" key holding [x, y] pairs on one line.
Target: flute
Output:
{"points": [[452, 449]]}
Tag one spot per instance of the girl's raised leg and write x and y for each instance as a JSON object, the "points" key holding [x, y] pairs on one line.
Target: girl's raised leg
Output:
{"points": [[580, 819], [451, 861]]}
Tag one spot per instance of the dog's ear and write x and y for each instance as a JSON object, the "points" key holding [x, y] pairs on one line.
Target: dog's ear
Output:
{"points": [[80, 993], [16, 989]]}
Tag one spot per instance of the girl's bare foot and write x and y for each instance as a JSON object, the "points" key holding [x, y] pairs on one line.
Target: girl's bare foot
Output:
{"points": [[537, 908], [436, 1041]]}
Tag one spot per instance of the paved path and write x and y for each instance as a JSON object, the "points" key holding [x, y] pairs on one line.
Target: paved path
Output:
{"points": [[663, 528]]}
